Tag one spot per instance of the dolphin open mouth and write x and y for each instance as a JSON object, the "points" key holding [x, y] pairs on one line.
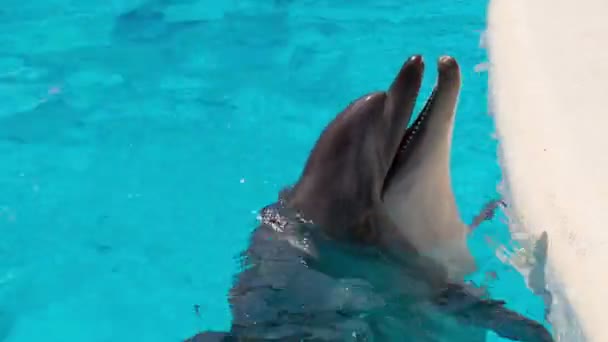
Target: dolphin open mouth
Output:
{"points": [[433, 126], [410, 139]]}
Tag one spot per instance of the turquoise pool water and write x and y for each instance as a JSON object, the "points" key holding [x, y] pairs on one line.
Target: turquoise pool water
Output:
{"points": [[138, 139]]}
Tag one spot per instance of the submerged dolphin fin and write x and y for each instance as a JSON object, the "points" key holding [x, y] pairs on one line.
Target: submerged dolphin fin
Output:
{"points": [[490, 314]]}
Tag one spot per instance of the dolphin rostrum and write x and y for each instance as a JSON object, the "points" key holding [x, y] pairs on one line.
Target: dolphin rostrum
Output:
{"points": [[368, 244]]}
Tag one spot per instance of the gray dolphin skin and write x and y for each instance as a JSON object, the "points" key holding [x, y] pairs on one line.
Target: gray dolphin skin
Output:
{"points": [[368, 244]]}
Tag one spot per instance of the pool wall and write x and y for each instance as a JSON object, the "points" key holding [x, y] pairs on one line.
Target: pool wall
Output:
{"points": [[547, 81]]}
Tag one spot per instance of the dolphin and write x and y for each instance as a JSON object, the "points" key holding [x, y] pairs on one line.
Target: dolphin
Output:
{"points": [[368, 244]]}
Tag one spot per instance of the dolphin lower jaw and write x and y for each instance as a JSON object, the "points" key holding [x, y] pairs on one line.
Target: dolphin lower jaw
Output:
{"points": [[417, 194]]}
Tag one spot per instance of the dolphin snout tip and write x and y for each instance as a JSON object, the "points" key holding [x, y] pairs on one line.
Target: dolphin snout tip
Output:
{"points": [[409, 78], [415, 63], [411, 71], [448, 68], [447, 64], [416, 59]]}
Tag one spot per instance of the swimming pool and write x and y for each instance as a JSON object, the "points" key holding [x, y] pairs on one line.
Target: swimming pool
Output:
{"points": [[139, 139]]}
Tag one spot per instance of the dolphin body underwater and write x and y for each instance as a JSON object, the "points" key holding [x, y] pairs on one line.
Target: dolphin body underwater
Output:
{"points": [[368, 244]]}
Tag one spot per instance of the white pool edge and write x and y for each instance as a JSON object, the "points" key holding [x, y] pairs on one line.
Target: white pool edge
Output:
{"points": [[563, 319], [548, 82]]}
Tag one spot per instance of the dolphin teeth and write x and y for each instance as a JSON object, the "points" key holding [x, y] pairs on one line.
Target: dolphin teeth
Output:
{"points": [[418, 123]]}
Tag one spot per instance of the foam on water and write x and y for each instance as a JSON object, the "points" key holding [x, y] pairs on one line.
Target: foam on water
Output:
{"points": [[138, 139]]}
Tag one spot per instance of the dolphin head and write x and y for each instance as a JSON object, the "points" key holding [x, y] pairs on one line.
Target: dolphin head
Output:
{"points": [[369, 179]]}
